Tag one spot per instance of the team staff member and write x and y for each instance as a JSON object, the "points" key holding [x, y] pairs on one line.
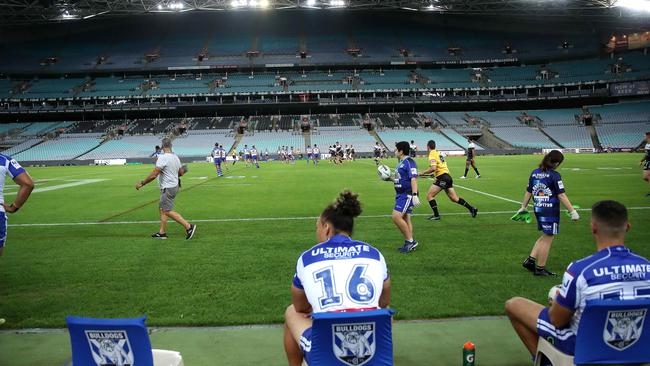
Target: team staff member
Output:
{"points": [[546, 188], [590, 278], [471, 154], [438, 166], [406, 189], [324, 283], [168, 169], [645, 162], [26, 184]]}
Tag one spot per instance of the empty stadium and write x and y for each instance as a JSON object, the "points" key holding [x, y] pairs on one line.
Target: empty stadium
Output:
{"points": [[90, 91]]}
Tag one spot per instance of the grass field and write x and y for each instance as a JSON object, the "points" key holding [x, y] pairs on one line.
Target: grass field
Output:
{"points": [[81, 245]]}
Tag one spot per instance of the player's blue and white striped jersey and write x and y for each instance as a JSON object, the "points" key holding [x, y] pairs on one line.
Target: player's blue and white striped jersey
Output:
{"points": [[316, 151], [406, 169], [341, 274], [308, 150], [216, 152], [545, 186], [222, 153], [612, 273], [254, 152], [7, 166]]}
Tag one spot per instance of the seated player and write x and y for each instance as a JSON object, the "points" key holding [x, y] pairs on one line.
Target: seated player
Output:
{"points": [[327, 283], [592, 278], [438, 166], [645, 162]]}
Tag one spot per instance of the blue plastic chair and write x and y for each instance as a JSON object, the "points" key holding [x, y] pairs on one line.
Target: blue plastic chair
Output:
{"points": [[614, 332], [123, 342], [352, 339]]}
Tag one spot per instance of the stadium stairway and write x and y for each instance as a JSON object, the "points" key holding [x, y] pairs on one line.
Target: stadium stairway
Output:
{"points": [[549, 137], [307, 137], [489, 139], [86, 152], [374, 134], [238, 138], [440, 131], [594, 137]]}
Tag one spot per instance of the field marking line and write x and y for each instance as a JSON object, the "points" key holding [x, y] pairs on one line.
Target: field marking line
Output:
{"points": [[487, 194], [250, 219], [65, 185]]}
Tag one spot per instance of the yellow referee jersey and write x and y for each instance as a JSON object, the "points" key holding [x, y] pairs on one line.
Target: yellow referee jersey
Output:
{"points": [[441, 164]]}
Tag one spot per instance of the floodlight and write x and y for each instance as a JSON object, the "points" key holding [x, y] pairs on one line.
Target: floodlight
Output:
{"points": [[640, 5], [264, 4], [311, 2]]}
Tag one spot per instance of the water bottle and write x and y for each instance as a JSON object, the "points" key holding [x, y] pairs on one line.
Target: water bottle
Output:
{"points": [[469, 354]]}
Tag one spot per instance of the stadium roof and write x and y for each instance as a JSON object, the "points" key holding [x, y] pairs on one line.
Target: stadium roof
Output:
{"points": [[35, 11]]}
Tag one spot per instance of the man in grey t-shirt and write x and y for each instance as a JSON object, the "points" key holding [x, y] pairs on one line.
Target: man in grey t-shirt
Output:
{"points": [[168, 170]]}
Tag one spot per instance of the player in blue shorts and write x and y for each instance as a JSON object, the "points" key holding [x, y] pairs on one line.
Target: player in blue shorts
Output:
{"points": [[327, 283], [316, 154], [216, 158], [546, 188], [613, 272], [406, 190], [254, 157]]}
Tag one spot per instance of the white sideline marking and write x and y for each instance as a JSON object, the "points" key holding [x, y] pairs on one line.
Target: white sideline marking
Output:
{"points": [[487, 194], [248, 219], [65, 185]]}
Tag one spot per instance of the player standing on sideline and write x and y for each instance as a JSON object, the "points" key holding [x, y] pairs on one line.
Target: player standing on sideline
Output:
{"points": [[546, 188], [645, 162], [438, 166], [20, 176], [325, 283], [471, 154], [377, 152], [168, 169], [308, 150], [254, 157], [613, 272], [406, 195], [316, 152], [216, 158]]}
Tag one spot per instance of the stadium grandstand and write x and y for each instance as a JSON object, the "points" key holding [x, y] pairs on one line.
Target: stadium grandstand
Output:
{"points": [[273, 108]]}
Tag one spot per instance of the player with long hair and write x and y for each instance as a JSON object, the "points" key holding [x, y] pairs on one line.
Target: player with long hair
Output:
{"points": [[326, 283], [546, 188], [438, 167]]}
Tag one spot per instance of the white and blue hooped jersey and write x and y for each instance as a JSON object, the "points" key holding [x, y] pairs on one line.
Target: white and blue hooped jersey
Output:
{"points": [[254, 152], [612, 273], [216, 153], [308, 151], [222, 153], [11, 167], [341, 274], [316, 151]]}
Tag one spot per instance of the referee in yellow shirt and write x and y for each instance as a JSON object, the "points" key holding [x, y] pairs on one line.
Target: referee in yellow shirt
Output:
{"points": [[438, 166]]}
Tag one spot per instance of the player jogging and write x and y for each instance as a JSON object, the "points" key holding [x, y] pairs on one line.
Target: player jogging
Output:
{"points": [[414, 149], [546, 188], [168, 170], [332, 283], [254, 159], [645, 162], [377, 153], [406, 195], [316, 152], [216, 158], [438, 166], [470, 154], [308, 151], [247, 156]]}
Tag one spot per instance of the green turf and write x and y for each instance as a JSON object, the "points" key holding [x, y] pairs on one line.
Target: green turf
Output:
{"points": [[239, 272], [420, 343]]}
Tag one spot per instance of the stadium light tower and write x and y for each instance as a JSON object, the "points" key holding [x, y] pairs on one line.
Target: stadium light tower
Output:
{"points": [[311, 3]]}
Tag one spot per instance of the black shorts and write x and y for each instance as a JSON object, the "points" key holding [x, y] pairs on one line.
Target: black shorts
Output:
{"points": [[646, 165], [470, 157], [444, 181], [377, 154]]}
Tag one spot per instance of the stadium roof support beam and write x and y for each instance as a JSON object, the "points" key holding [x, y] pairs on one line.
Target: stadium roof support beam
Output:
{"points": [[35, 11]]}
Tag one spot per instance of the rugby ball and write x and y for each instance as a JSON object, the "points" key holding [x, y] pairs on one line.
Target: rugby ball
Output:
{"points": [[553, 292], [383, 172]]}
